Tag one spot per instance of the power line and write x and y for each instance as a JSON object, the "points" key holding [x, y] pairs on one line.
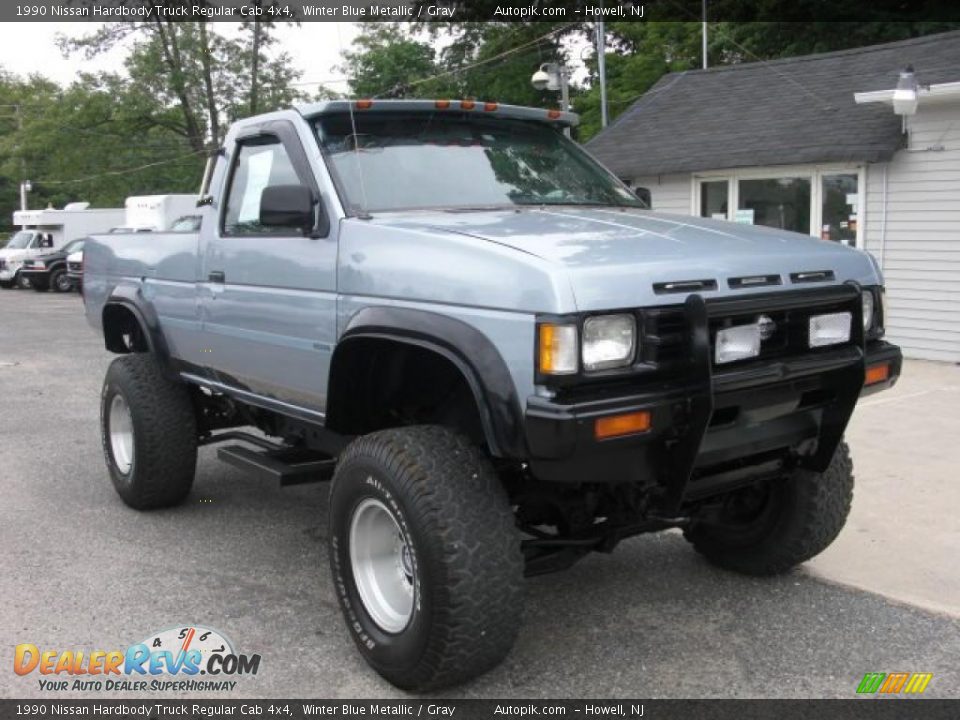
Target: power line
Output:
{"points": [[478, 63], [125, 171]]}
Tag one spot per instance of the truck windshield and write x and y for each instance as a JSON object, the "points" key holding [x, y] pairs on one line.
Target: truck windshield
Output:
{"points": [[399, 161], [20, 240], [73, 246]]}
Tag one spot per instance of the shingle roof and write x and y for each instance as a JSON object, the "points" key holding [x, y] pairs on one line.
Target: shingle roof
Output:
{"points": [[796, 110]]}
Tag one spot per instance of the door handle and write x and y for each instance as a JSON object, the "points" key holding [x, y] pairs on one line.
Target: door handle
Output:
{"points": [[217, 276]]}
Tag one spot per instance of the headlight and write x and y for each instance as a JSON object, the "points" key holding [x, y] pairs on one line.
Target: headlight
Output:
{"points": [[608, 341], [558, 349], [867, 296]]}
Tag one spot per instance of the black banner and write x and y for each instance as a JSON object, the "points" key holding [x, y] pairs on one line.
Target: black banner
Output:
{"points": [[865, 709], [428, 11]]}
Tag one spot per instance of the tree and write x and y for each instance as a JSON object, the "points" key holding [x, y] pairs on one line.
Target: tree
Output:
{"points": [[211, 79], [387, 62]]}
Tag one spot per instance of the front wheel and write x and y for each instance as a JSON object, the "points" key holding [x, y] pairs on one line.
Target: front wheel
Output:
{"points": [[149, 433], [425, 556], [23, 282], [771, 528], [60, 281]]}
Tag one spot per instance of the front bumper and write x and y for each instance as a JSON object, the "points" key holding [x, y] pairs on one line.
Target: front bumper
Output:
{"points": [[710, 425], [8, 273]]}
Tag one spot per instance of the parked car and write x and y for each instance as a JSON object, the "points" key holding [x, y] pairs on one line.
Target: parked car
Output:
{"points": [[503, 362], [75, 270], [50, 270], [22, 245]]}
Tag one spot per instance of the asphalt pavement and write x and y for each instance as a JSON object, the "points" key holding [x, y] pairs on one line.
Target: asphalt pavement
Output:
{"points": [[82, 571]]}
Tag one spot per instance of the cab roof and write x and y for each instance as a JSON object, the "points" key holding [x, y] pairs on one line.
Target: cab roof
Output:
{"points": [[552, 117]]}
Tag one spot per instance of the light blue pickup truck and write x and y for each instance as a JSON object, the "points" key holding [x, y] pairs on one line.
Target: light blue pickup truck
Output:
{"points": [[502, 360]]}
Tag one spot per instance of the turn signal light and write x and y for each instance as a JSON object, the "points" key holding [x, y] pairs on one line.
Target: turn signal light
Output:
{"points": [[619, 425], [877, 374]]}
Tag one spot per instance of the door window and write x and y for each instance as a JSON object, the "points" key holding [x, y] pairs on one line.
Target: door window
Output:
{"points": [[840, 202], [776, 202], [714, 199], [258, 166]]}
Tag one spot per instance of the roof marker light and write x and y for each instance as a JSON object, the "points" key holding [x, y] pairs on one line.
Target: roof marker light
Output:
{"points": [[363, 104], [467, 104], [553, 114], [442, 104], [490, 106]]}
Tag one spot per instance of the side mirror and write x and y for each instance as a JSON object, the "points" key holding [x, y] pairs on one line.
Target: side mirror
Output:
{"points": [[289, 206]]}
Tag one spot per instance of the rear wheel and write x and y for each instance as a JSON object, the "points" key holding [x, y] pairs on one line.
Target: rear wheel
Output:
{"points": [[425, 556], [770, 529], [149, 433]]}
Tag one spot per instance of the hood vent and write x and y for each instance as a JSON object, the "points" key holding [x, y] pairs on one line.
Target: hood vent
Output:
{"points": [[683, 286], [811, 276], [751, 281]]}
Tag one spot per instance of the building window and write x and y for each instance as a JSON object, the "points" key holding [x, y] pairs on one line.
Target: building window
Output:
{"points": [[839, 207], [714, 199], [776, 202]]}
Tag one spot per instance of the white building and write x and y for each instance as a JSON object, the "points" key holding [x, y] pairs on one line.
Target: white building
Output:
{"points": [[812, 144]]}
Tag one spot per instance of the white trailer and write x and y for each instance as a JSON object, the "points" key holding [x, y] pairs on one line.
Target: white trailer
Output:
{"points": [[157, 212], [46, 230]]}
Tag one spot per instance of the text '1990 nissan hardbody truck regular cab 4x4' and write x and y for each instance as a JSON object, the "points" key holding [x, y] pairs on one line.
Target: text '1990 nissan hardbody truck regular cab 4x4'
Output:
{"points": [[501, 359]]}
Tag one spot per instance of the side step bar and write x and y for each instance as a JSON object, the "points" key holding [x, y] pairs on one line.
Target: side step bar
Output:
{"points": [[287, 466]]}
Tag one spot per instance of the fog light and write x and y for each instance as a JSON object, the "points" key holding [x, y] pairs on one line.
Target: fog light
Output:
{"points": [[737, 343], [830, 329], [618, 425]]}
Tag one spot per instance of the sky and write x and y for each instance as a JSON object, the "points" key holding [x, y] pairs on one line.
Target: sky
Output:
{"points": [[29, 47], [315, 47]]}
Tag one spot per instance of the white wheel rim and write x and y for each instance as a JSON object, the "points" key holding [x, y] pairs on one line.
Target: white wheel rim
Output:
{"points": [[382, 565], [121, 434]]}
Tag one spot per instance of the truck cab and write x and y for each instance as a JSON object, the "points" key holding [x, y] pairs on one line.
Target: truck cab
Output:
{"points": [[499, 358]]}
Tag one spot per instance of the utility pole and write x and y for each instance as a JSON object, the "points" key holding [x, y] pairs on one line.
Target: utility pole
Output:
{"points": [[704, 34], [602, 69]]}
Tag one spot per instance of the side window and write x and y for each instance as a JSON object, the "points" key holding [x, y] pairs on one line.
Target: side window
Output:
{"points": [[258, 165]]}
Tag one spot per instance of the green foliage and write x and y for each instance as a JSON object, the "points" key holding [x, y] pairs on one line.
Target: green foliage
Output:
{"points": [[106, 137], [385, 62]]}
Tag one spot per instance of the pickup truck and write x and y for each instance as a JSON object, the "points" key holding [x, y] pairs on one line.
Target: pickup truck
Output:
{"points": [[500, 359]]}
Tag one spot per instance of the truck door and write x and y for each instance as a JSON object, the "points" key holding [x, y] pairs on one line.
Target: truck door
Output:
{"points": [[268, 295]]}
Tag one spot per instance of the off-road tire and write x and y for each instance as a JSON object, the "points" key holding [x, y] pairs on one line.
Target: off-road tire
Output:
{"points": [[59, 282], [808, 512], [164, 433], [453, 512]]}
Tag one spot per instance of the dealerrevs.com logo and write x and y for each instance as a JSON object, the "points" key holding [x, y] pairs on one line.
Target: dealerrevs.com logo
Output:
{"points": [[189, 658]]}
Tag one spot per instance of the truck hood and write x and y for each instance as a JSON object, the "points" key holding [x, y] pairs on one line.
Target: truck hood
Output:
{"points": [[8, 254], [614, 256]]}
